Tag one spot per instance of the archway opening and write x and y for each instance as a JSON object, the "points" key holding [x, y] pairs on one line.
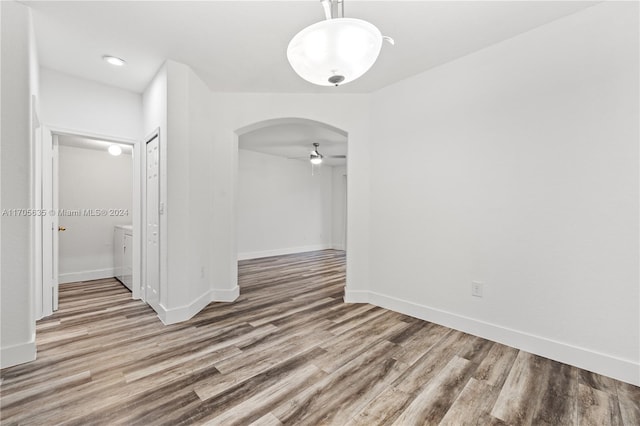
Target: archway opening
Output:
{"points": [[285, 204]]}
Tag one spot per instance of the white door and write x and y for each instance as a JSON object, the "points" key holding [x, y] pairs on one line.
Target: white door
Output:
{"points": [[56, 223], [152, 220], [49, 222]]}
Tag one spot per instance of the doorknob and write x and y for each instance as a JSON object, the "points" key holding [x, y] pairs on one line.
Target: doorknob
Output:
{"points": [[61, 228]]}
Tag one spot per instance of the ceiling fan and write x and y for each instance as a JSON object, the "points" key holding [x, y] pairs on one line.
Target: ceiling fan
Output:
{"points": [[316, 158]]}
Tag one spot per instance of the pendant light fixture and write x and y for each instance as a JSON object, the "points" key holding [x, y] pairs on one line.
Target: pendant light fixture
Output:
{"points": [[337, 50]]}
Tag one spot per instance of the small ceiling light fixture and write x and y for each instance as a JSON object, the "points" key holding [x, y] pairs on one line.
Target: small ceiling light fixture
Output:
{"points": [[115, 150], [337, 50], [114, 60], [316, 157]]}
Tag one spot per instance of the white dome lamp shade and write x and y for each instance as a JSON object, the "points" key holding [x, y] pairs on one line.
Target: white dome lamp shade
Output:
{"points": [[335, 51]]}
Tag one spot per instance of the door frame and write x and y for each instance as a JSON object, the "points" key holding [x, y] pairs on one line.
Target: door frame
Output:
{"points": [[46, 280], [43, 151], [345, 210], [155, 134]]}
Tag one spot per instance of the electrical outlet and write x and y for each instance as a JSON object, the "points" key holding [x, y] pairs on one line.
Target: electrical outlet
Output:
{"points": [[202, 272], [476, 288]]}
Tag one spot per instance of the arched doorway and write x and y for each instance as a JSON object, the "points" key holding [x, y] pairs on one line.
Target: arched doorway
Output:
{"points": [[284, 203]]}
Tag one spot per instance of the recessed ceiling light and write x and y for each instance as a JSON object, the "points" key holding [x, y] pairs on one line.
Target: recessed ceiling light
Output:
{"points": [[114, 61], [115, 150]]}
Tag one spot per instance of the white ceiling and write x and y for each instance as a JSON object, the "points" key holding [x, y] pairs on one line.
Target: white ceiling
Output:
{"points": [[294, 140], [241, 45]]}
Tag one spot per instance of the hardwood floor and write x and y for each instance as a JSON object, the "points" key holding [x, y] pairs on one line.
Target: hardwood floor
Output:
{"points": [[288, 351]]}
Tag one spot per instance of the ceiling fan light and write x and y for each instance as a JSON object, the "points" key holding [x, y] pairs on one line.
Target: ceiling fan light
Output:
{"points": [[315, 157], [334, 51]]}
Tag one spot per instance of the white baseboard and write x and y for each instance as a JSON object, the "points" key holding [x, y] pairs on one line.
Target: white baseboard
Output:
{"points": [[225, 295], [338, 247], [183, 313], [17, 354], [605, 364], [282, 251], [356, 296], [96, 274]]}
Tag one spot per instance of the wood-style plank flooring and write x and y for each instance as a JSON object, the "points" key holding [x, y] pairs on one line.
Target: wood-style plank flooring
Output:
{"points": [[288, 351]]}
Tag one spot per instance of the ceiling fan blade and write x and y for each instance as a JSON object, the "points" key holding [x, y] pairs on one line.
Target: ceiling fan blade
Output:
{"points": [[338, 157]]}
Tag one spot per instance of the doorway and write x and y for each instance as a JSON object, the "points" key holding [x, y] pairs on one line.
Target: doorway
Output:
{"points": [[90, 189], [285, 202]]}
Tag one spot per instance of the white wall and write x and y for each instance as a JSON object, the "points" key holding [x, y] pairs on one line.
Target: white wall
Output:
{"points": [[282, 207], [517, 166], [73, 103], [154, 104], [189, 193], [19, 84], [339, 203], [91, 179], [177, 102], [35, 260], [154, 114], [34, 71]]}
